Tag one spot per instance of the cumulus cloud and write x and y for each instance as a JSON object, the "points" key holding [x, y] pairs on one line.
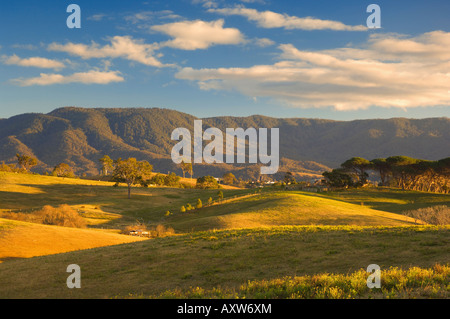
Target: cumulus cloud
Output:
{"points": [[37, 62], [121, 47], [198, 34], [388, 71], [270, 19], [90, 77]]}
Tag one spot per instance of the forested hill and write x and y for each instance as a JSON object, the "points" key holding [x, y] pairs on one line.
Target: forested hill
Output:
{"points": [[79, 137]]}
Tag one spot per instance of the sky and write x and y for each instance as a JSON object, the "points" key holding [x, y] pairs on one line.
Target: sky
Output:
{"points": [[302, 59]]}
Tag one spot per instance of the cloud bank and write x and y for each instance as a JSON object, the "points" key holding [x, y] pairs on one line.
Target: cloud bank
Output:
{"points": [[270, 19], [388, 71]]}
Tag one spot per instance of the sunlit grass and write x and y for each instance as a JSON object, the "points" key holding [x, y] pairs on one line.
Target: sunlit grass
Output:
{"points": [[397, 283]]}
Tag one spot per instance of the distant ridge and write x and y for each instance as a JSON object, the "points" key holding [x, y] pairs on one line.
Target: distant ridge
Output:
{"points": [[80, 136]]}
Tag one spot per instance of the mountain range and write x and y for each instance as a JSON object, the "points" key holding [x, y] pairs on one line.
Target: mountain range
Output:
{"points": [[81, 136]]}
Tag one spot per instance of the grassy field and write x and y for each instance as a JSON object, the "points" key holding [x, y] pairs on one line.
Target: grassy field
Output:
{"points": [[398, 283], [264, 236], [24, 240], [102, 204], [224, 259], [389, 199]]}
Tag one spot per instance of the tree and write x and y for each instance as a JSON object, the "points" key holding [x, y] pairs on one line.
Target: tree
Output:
{"points": [[172, 180], [183, 209], [229, 179], [338, 178], [199, 204], [63, 170], [186, 167], [210, 201], [207, 182], [359, 166], [107, 164], [26, 162], [131, 171], [401, 169], [289, 178], [382, 167], [190, 169], [220, 195]]}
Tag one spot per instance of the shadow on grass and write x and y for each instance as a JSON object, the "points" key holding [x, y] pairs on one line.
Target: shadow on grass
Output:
{"points": [[147, 205], [388, 200]]}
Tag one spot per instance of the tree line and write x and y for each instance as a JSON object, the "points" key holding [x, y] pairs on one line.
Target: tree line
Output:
{"points": [[25, 163], [402, 172]]}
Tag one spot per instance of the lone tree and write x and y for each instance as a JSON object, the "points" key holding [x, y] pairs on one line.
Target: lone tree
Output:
{"points": [[190, 169], [26, 162], [107, 164], [186, 167], [131, 171], [63, 170]]}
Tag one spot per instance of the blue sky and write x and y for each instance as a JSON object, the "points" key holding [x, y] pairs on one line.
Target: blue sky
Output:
{"points": [[313, 59]]}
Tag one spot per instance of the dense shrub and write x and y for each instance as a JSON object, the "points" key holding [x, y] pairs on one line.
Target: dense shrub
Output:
{"points": [[63, 215], [207, 182], [171, 180]]}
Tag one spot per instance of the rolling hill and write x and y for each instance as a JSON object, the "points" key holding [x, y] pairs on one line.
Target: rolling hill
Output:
{"points": [[284, 208], [80, 136], [228, 259], [259, 236], [25, 240]]}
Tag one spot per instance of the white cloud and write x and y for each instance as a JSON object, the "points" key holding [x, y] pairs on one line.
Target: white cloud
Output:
{"points": [[388, 71], [37, 62], [270, 19], [121, 47], [206, 3], [145, 16], [263, 42], [96, 17], [90, 77], [198, 34]]}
